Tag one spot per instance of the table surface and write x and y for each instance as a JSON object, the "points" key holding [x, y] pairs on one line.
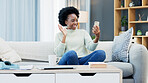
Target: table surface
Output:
{"points": [[77, 69]]}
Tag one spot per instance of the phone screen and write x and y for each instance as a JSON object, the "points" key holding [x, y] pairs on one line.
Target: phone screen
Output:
{"points": [[96, 23]]}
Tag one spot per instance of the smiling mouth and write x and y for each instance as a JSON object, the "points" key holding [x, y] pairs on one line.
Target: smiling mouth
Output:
{"points": [[74, 25]]}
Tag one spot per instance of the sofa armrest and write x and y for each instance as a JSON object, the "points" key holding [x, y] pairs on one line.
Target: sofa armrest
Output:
{"points": [[138, 56]]}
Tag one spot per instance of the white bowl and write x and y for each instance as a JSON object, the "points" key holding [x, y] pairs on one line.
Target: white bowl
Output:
{"points": [[146, 33]]}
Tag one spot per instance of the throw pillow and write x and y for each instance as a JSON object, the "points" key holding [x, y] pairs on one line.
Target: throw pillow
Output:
{"points": [[121, 45], [7, 53]]}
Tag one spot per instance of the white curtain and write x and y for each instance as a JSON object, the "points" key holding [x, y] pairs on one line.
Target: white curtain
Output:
{"points": [[74, 3], [49, 10], [19, 20], [81, 5]]}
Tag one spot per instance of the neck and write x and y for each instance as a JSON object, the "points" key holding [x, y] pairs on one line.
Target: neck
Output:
{"points": [[71, 28]]}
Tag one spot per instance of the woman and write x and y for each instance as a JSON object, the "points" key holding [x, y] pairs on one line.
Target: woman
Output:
{"points": [[74, 44]]}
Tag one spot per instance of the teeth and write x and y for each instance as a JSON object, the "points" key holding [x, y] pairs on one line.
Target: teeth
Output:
{"points": [[75, 25]]}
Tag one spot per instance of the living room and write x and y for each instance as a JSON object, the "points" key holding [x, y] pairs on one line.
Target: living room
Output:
{"points": [[28, 37]]}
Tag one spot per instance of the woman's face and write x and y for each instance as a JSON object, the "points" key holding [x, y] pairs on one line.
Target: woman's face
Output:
{"points": [[72, 21]]}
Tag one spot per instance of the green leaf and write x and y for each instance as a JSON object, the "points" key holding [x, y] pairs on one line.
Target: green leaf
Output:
{"points": [[93, 37], [124, 21]]}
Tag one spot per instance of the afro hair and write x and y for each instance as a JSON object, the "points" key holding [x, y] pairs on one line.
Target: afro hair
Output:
{"points": [[64, 12]]}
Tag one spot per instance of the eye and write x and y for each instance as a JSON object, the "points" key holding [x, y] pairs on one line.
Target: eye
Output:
{"points": [[72, 20], [76, 20]]}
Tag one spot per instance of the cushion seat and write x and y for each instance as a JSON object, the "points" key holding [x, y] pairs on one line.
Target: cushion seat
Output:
{"points": [[127, 68]]}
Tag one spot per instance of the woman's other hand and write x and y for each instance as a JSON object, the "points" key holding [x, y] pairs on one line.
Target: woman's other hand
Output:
{"points": [[63, 30], [64, 33]]}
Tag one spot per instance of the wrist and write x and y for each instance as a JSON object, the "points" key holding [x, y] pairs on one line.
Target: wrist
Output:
{"points": [[96, 39], [64, 36]]}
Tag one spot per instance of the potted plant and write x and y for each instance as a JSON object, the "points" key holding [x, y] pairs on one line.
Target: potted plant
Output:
{"points": [[122, 3], [124, 23], [93, 37], [139, 33]]}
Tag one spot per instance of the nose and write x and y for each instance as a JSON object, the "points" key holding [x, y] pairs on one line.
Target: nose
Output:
{"points": [[75, 22]]}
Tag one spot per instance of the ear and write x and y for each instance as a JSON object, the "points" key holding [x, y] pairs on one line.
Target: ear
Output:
{"points": [[66, 22]]}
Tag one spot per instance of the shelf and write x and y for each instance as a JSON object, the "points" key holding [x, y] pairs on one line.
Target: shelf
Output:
{"points": [[140, 36], [131, 12], [121, 8], [138, 22], [138, 7]]}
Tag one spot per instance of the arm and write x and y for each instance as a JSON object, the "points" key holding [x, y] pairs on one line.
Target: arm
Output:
{"points": [[89, 43], [64, 38], [59, 47], [60, 44], [96, 39]]}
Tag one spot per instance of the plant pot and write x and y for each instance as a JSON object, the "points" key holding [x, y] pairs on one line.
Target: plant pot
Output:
{"points": [[122, 3], [122, 28], [146, 33], [139, 33]]}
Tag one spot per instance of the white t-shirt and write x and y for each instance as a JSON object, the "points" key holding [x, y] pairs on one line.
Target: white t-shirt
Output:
{"points": [[78, 40]]}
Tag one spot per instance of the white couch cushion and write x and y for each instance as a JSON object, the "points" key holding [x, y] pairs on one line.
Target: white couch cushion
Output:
{"points": [[7, 53], [127, 68], [121, 46], [41, 50], [107, 47], [33, 50]]}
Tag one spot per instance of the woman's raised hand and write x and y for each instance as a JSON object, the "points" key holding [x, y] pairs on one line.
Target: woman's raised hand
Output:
{"points": [[96, 31], [63, 30]]}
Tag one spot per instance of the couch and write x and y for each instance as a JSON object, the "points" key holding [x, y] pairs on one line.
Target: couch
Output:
{"points": [[135, 71]]}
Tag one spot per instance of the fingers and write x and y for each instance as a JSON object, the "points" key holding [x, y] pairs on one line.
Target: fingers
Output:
{"points": [[63, 30], [97, 27], [96, 30], [60, 27], [93, 31]]}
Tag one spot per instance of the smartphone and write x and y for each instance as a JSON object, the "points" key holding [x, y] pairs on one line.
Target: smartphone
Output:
{"points": [[96, 23]]}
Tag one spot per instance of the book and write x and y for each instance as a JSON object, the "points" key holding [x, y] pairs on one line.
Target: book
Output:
{"points": [[97, 65], [26, 67]]}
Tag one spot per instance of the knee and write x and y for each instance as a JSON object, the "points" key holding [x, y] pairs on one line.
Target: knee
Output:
{"points": [[101, 54], [71, 54]]}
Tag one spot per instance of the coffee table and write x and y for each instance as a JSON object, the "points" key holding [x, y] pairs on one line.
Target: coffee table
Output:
{"points": [[81, 74]]}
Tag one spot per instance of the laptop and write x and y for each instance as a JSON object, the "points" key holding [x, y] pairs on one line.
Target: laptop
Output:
{"points": [[56, 67]]}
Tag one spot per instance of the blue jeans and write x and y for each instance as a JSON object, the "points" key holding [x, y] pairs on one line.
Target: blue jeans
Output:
{"points": [[71, 58]]}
